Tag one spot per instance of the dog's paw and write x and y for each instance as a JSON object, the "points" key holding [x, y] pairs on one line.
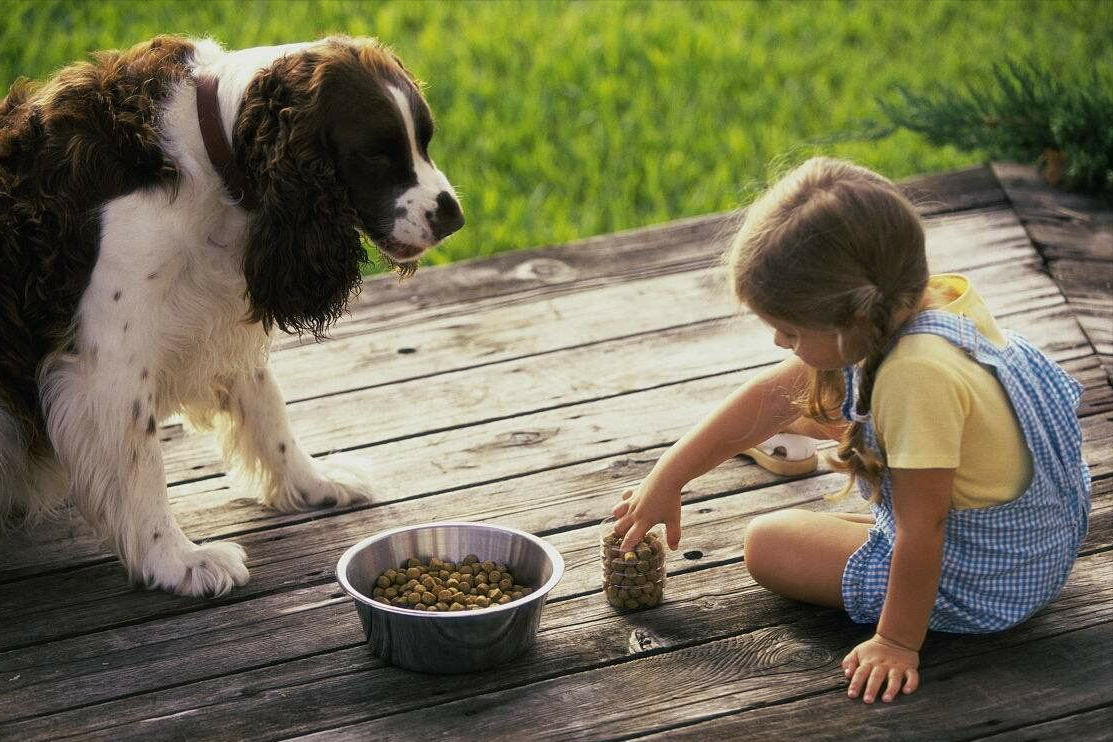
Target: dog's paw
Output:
{"points": [[204, 570], [330, 483]]}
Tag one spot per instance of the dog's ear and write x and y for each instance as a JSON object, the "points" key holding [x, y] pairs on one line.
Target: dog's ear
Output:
{"points": [[303, 255]]}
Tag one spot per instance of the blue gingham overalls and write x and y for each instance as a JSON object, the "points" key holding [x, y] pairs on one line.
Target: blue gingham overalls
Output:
{"points": [[1001, 563]]}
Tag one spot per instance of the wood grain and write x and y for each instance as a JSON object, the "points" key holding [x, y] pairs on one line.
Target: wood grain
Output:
{"points": [[718, 617], [1004, 690], [529, 390], [1073, 233], [174, 648], [612, 427]]}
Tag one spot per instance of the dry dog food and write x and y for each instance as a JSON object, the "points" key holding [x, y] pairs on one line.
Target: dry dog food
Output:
{"points": [[445, 586], [635, 579]]}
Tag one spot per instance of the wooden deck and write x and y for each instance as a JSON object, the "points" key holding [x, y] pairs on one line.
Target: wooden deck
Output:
{"points": [[529, 390]]}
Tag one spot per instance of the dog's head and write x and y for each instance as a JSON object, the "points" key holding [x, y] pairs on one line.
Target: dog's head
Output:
{"points": [[335, 138]]}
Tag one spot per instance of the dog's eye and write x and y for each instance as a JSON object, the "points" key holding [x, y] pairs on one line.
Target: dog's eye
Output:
{"points": [[376, 159]]}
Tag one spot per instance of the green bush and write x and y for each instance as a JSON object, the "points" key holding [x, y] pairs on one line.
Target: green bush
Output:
{"points": [[1020, 111]]}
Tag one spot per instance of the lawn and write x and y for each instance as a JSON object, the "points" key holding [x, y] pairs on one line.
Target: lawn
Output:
{"points": [[559, 120]]}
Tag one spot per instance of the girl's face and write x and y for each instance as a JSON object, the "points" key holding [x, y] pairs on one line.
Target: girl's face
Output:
{"points": [[820, 349]]}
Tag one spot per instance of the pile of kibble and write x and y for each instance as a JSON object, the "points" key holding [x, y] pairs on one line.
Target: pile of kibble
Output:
{"points": [[634, 579], [444, 586]]}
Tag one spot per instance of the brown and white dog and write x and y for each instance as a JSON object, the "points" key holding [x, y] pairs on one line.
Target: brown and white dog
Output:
{"points": [[162, 211]]}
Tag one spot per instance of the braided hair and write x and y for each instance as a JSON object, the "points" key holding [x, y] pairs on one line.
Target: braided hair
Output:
{"points": [[835, 246]]}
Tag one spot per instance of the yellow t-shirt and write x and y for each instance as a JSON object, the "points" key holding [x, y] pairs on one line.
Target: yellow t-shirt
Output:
{"points": [[934, 407]]}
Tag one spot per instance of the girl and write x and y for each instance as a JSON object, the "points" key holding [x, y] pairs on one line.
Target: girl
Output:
{"points": [[963, 438]]}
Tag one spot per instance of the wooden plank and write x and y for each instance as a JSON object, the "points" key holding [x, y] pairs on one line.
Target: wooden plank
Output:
{"points": [[958, 190], [1095, 322], [175, 648], [142, 658], [1074, 234], [593, 429], [468, 401], [1087, 725], [1079, 237], [962, 704], [76, 602], [348, 684], [462, 399], [1088, 287], [759, 668], [1027, 191], [455, 400], [1062, 225], [1097, 395], [615, 258], [447, 337], [208, 509], [709, 526], [467, 397], [1086, 282]]}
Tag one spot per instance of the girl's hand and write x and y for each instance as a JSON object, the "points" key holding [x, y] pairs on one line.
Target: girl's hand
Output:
{"points": [[644, 507], [879, 660]]}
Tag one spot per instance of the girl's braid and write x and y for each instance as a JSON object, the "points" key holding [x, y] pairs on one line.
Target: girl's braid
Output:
{"points": [[854, 451]]}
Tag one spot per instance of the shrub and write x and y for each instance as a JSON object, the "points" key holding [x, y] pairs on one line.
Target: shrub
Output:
{"points": [[1019, 111]]}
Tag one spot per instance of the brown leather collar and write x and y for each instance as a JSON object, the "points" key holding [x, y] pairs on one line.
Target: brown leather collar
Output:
{"points": [[216, 144]]}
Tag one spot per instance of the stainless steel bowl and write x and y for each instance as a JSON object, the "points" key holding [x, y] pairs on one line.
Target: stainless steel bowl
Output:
{"points": [[457, 642]]}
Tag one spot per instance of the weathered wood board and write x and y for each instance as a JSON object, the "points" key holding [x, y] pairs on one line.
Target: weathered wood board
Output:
{"points": [[529, 390]]}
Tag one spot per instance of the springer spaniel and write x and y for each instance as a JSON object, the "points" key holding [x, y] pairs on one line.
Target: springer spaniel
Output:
{"points": [[162, 211]]}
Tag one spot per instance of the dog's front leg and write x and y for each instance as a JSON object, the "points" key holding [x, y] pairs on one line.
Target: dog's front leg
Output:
{"points": [[257, 432], [101, 417]]}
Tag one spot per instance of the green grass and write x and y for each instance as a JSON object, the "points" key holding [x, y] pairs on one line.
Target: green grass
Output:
{"points": [[559, 120]]}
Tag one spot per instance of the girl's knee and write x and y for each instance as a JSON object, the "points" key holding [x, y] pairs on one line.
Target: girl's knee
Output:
{"points": [[766, 538]]}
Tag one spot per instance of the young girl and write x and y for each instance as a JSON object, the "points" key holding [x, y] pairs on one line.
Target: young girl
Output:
{"points": [[963, 438]]}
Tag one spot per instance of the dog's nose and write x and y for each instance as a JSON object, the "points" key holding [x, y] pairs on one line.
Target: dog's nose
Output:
{"points": [[447, 218]]}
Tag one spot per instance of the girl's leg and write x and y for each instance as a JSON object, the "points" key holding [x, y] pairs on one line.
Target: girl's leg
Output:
{"points": [[855, 517], [801, 554]]}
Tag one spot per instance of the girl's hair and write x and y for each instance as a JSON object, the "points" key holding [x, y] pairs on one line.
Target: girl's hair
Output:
{"points": [[833, 246]]}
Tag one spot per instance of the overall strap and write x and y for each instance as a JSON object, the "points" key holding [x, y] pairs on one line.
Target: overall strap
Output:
{"points": [[958, 330], [850, 376]]}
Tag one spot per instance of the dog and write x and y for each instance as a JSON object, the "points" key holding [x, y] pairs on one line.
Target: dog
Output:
{"points": [[164, 211]]}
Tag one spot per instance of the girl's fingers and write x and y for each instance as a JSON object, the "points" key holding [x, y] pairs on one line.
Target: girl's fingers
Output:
{"points": [[672, 534], [633, 536], [857, 680], [892, 684], [623, 507], [623, 524], [850, 663], [911, 680], [877, 677]]}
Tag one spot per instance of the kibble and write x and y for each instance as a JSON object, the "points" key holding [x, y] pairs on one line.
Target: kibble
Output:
{"points": [[438, 585], [635, 579]]}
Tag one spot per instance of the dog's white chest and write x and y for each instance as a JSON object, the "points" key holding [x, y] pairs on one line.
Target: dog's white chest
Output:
{"points": [[166, 296]]}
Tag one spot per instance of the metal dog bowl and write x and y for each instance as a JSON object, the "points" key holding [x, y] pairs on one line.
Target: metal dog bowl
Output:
{"points": [[456, 642]]}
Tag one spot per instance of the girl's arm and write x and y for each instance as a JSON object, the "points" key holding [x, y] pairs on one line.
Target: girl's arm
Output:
{"points": [[760, 408], [921, 501]]}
